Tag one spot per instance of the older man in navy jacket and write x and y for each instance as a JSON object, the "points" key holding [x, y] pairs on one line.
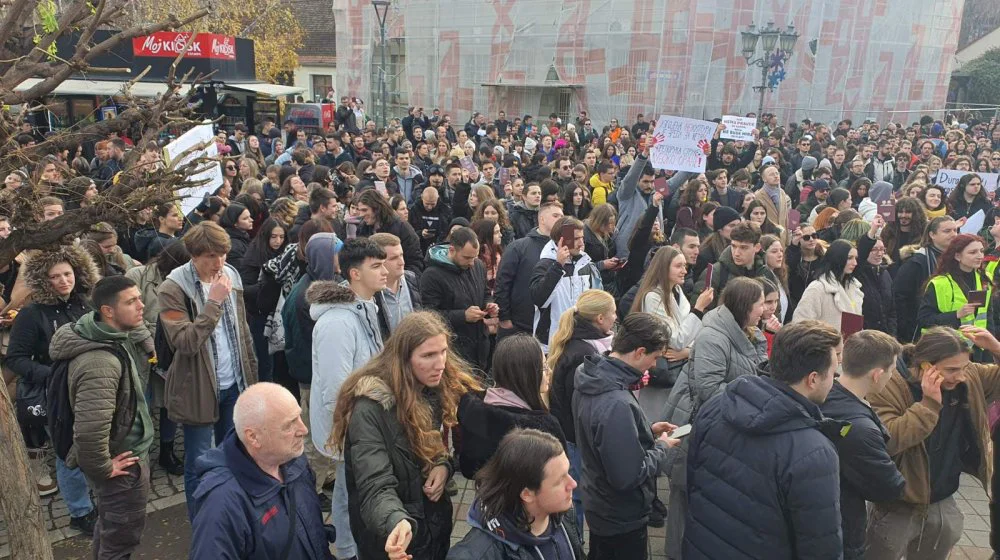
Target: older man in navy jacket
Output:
{"points": [[256, 495]]}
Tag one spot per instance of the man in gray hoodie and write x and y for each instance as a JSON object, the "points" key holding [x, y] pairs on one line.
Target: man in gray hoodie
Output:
{"points": [[345, 337], [622, 451], [634, 196]]}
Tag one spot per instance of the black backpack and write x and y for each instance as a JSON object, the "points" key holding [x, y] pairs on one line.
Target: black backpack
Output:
{"points": [[60, 412], [164, 352]]}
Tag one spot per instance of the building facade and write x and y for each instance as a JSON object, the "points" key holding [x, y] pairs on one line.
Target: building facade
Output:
{"points": [[616, 58]]}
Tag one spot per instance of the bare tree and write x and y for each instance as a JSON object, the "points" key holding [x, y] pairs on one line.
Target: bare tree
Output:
{"points": [[29, 30]]}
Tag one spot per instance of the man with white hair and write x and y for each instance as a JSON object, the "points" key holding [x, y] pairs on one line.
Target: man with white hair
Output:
{"points": [[253, 479]]}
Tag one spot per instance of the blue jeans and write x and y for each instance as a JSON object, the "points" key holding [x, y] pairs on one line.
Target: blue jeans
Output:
{"points": [[576, 471], [198, 440], [346, 547], [74, 489]]}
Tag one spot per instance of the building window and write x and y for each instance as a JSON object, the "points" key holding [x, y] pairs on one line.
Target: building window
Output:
{"points": [[321, 85]]}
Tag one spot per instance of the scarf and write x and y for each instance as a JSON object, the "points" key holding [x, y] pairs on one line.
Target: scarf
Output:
{"points": [[228, 325], [285, 268]]}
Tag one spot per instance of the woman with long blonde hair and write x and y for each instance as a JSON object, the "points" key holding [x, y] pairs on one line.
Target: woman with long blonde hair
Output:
{"points": [[387, 424], [584, 330]]}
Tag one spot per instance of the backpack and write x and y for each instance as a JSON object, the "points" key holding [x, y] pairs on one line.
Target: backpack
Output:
{"points": [[164, 352], [59, 410]]}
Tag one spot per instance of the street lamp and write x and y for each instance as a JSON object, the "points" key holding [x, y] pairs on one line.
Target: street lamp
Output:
{"points": [[381, 11], [769, 37]]}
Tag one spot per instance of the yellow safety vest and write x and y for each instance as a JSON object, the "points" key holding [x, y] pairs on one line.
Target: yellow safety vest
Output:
{"points": [[991, 269], [951, 298]]}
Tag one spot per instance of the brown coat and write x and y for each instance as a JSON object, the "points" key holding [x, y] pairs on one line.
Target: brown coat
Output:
{"points": [[192, 392], [910, 424], [779, 215]]}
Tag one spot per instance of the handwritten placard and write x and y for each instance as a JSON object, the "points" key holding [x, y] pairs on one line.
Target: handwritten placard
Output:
{"points": [[681, 144], [210, 175], [738, 128]]}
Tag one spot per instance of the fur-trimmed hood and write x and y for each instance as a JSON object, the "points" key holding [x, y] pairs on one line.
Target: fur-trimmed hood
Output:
{"points": [[36, 272], [375, 389], [327, 292]]}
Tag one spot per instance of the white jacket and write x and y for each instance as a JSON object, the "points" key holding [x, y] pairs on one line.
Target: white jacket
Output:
{"points": [[826, 300], [684, 325]]}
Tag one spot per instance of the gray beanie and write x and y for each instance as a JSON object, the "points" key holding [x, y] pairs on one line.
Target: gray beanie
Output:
{"points": [[809, 163]]}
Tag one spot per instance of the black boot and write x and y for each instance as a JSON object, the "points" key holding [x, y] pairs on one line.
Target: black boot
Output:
{"points": [[168, 460]]}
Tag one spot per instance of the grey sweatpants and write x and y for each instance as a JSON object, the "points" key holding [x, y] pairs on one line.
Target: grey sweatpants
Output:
{"points": [[919, 532]]}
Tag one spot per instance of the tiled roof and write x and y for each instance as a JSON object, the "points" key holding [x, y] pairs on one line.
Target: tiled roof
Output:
{"points": [[316, 18]]}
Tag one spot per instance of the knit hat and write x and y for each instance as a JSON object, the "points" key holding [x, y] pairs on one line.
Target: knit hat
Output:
{"points": [[880, 191], [826, 163], [723, 216], [820, 185], [809, 163], [458, 222]]}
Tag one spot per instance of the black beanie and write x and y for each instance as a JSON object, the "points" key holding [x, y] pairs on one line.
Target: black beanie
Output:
{"points": [[723, 216]]}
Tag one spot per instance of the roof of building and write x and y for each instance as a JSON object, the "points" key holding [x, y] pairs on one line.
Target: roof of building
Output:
{"points": [[319, 43]]}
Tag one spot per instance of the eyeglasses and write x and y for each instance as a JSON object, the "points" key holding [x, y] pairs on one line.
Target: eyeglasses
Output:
{"points": [[231, 168], [808, 237]]}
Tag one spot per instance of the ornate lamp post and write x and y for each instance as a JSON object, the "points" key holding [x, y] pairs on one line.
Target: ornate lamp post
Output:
{"points": [[774, 42], [381, 11]]}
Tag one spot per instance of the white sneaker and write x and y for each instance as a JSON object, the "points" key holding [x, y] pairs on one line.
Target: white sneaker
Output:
{"points": [[46, 486]]}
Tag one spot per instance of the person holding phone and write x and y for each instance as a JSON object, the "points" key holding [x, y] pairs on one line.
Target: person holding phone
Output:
{"points": [[960, 293]]}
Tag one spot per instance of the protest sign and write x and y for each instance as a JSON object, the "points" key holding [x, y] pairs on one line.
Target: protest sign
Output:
{"points": [[738, 128], [948, 178], [203, 136], [681, 144]]}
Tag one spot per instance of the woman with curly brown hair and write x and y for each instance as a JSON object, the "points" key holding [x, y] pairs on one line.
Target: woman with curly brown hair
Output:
{"points": [[387, 423]]}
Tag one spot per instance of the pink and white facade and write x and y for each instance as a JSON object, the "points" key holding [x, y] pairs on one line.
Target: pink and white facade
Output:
{"points": [[617, 58]]}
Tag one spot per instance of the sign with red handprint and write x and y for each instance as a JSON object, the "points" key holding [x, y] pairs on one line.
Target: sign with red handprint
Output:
{"points": [[681, 144]]}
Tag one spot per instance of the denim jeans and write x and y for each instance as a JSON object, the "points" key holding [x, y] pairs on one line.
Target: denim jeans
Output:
{"points": [[346, 547], [576, 471], [74, 489], [198, 440]]}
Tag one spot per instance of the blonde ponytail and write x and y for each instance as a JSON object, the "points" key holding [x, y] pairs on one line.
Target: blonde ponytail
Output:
{"points": [[589, 306]]}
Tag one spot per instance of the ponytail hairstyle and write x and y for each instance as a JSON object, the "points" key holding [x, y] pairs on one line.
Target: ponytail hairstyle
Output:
{"points": [[590, 305], [936, 344]]}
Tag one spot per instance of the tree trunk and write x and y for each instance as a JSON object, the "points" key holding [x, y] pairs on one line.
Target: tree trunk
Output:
{"points": [[19, 501]]}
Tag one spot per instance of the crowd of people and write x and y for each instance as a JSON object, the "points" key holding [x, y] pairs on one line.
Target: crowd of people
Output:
{"points": [[799, 339]]}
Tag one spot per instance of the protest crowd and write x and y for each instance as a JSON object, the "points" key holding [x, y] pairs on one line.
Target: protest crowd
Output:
{"points": [[793, 324]]}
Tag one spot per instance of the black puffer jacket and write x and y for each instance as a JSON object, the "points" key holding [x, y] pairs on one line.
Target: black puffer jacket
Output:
{"points": [[763, 477], [564, 374], [450, 290], [514, 280], [878, 307], [908, 287], [484, 425], [523, 219], [239, 238], [31, 333], [385, 484], [867, 472]]}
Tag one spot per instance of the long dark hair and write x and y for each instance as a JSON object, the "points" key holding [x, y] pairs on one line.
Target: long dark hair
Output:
{"points": [[768, 226], [174, 254], [518, 366], [260, 250], [958, 193], [947, 263], [835, 261], [739, 296], [519, 463]]}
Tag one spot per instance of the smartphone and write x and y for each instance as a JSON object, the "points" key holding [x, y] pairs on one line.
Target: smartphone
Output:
{"points": [[680, 432], [794, 219], [708, 275], [567, 235], [621, 264], [977, 297]]}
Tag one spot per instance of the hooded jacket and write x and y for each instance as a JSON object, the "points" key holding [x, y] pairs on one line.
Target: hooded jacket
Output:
{"points": [[632, 204], [880, 192], [242, 512], [585, 341], [451, 290], [725, 270], [501, 539], [827, 300], [298, 324], [867, 473], [28, 349], [435, 221], [410, 184], [412, 255], [621, 457], [523, 219], [485, 423], [599, 190], [385, 480], [109, 406], [514, 280], [878, 306], [910, 418], [555, 288], [240, 239], [344, 338], [192, 389], [763, 477]]}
